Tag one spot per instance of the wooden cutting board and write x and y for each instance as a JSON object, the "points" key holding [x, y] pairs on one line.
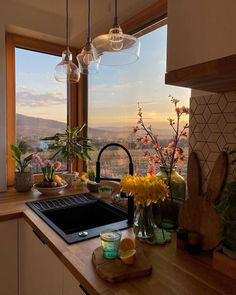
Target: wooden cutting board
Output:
{"points": [[190, 212], [114, 270], [210, 228]]}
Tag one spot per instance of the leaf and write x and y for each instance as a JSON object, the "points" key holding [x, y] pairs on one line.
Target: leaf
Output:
{"points": [[28, 159], [16, 151]]}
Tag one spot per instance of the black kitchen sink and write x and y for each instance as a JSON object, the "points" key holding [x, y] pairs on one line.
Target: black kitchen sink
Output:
{"points": [[79, 217]]}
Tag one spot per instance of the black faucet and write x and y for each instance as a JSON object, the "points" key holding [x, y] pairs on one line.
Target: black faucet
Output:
{"points": [[131, 172]]}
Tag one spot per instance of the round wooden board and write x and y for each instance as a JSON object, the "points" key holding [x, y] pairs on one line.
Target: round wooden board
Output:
{"points": [[114, 270]]}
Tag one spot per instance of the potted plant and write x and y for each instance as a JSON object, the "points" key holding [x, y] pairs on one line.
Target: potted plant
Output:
{"points": [[70, 145], [224, 259], [105, 191], [227, 207], [51, 184], [23, 178], [92, 185], [167, 157]]}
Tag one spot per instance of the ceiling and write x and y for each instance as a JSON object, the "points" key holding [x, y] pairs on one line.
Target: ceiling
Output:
{"points": [[45, 19]]}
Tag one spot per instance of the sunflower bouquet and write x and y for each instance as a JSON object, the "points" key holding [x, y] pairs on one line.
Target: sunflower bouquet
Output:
{"points": [[145, 190]]}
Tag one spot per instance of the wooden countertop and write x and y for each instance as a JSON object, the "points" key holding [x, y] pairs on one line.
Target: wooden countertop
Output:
{"points": [[174, 271]]}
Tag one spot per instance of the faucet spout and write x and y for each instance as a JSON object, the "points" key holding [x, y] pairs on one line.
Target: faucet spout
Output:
{"points": [[131, 172]]}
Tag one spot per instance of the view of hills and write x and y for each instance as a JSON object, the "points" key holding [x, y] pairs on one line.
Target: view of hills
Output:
{"points": [[44, 127]]}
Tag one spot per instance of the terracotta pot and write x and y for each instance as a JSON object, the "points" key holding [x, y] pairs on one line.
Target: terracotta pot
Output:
{"points": [[93, 186], [23, 181]]}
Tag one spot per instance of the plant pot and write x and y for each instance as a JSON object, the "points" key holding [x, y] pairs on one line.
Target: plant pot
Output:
{"points": [[93, 186], [106, 195], [224, 264], [70, 178], [229, 252], [23, 181]]}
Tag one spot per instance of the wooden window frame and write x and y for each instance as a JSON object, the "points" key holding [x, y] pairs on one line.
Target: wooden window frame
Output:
{"points": [[77, 98]]}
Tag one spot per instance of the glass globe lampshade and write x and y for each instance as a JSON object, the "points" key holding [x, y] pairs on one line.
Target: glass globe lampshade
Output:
{"points": [[117, 48], [88, 59], [66, 70]]}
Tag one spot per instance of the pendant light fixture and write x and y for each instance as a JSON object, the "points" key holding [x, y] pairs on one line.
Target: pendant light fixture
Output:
{"points": [[88, 59], [66, 70], [117, 48]]}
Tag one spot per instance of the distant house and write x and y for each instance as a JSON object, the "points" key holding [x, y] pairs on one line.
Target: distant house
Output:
{"points": [[43, 145]]}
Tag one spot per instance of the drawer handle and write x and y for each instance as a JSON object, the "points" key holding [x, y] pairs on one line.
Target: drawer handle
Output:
{"points": [[38, 236], [82, 288]]}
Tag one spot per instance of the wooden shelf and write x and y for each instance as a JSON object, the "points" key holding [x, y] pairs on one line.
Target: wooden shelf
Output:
{"points": [[217, 75]]}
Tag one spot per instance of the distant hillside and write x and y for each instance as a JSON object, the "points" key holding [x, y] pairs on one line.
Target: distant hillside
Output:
{"points": [[31, 126]]}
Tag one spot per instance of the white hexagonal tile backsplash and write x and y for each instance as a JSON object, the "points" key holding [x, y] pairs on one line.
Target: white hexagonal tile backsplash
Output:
{"points": [[212, 129]]}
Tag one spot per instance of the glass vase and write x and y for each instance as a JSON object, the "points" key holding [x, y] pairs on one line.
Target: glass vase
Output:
{"points": [[166, 215], [144, 225]]}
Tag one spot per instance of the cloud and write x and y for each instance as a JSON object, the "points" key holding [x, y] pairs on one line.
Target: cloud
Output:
{"points": [[128, 84], [28, 98]]}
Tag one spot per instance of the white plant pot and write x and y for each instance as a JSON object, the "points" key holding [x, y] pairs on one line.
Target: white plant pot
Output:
{"points": [[70, 178]]}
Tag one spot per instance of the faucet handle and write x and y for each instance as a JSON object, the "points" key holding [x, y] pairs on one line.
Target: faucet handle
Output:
{"points": [[123, 195]]}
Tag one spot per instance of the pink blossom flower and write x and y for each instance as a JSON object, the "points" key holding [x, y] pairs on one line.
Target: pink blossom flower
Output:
{"points": [[156, 159], [171, 144], [171, 121], [37, 160], [185, 110], [57, 165], [152, 169], [184, 134], [48, 163], [181, 159], [135, 129], [179, 110], [146, 140], [156, 146]]}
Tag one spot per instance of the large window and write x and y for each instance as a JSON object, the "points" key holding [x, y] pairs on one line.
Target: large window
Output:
{"points": [[41, 102], [36, 104], [112, 105]]}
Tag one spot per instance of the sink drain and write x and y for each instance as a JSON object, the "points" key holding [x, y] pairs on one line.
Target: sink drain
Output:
{"points": [[83, 234]]}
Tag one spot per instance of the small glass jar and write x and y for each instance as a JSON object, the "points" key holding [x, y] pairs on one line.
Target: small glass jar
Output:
{"points": [[144, 225]]}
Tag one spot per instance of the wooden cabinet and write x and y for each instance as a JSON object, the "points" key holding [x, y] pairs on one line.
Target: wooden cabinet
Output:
{"points": [[40, 270], [8, 257], [70, 285]]}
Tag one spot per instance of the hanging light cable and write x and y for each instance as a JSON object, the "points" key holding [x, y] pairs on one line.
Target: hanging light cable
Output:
{"points": [[117, 48], [88, 58], [66, 70]]}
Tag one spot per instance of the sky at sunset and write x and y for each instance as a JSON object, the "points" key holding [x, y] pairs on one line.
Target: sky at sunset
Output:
{"points": [[113, 92]]}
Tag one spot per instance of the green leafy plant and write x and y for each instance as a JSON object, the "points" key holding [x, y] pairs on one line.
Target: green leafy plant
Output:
{"points": [[21, 163], [70, 145], [226, 205], [105, 188], [91, 174]]}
